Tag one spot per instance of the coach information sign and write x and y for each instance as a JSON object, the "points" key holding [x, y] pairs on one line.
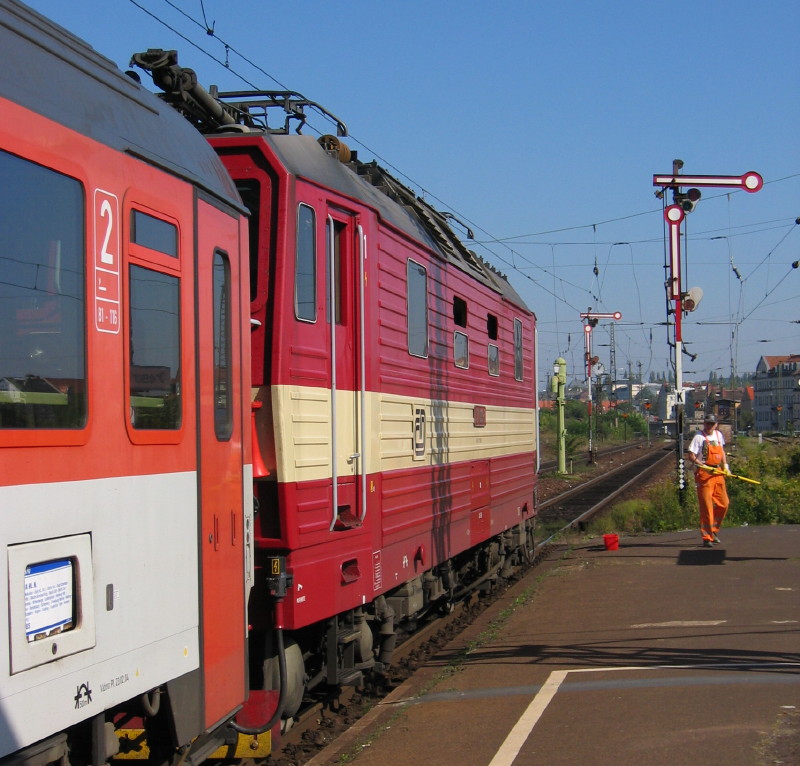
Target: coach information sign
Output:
{"points": [[48, 599]]}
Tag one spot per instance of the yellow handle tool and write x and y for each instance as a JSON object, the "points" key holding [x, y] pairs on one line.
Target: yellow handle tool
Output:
{"points": [[730, 475]]}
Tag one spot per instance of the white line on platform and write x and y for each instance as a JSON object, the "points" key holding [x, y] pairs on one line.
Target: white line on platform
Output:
{"points": [[681, 624], [517, 737]]}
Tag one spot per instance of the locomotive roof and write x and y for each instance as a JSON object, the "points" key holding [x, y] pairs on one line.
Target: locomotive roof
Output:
{"points": [[56, 74], [248, 112], [303, 156]]}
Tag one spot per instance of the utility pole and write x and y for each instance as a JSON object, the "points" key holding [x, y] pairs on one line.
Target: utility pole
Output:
{"points": [[674, 215]]}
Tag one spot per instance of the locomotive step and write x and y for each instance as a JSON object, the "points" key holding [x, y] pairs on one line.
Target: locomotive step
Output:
{"points": [[348, 636]]}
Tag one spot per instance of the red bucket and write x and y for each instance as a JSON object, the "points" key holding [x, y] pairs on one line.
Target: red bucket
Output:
{"points": [[611, 542]]}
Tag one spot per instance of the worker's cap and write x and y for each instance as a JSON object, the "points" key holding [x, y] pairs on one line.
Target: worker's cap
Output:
{"points": [[710, 419]]}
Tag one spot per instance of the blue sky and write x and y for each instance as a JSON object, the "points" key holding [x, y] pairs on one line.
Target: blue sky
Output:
{"points": [[541, 125]]}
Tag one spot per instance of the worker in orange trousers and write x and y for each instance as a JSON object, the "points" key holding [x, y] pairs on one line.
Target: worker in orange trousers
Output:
{"points": [[707, 451]]}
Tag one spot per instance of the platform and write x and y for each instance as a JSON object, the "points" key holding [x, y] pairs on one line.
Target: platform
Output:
{"points": [[660, 652]]}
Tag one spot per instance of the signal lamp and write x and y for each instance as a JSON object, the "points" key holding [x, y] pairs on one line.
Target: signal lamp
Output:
{"points": [[691, 198]]}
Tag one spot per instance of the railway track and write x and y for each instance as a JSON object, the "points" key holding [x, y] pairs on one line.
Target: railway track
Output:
{"points": [[580, 503], [583, 458], [320, 723]]}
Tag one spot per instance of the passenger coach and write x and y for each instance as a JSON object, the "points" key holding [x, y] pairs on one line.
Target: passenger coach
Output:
{"points": [[124, 368]]}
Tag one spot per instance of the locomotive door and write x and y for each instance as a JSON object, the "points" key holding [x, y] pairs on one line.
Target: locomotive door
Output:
{"points": [[345, 254], [219, 345]]}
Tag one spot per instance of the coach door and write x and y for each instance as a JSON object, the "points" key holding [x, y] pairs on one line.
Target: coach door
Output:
{"points": [[345, 257], [219, 345]]}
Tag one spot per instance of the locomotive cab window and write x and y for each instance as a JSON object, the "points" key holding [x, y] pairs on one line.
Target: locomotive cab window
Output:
{"points": [[250, 192], [42, 300], [336, 233], [417, 309]]}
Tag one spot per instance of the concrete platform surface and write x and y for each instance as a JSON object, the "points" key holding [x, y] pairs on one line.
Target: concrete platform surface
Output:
{"points": [[660, 652]]}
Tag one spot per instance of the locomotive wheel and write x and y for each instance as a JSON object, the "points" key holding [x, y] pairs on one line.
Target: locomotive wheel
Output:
{"points": [[295, 673]]}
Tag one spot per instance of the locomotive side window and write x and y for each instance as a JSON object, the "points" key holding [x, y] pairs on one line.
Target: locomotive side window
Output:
{"points": [[305, 275], [155, 387], [42, 301], [223, 410], [517, 349], [459, 311], [493, 350], [154, 234], [494, 360], [461, 350], [417, 309], [491, 326]]}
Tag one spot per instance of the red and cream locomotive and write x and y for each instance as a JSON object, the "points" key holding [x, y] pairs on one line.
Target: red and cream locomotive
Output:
{"points": [[259, 407]]}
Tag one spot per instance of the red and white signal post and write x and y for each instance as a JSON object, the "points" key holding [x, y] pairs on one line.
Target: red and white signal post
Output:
{"points": [[674, 215]]}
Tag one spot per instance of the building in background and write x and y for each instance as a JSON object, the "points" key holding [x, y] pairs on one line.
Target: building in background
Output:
{"points": [[776, 389]]}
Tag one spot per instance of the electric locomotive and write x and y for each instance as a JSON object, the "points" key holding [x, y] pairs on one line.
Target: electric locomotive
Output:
{"points": [[394, 395]]}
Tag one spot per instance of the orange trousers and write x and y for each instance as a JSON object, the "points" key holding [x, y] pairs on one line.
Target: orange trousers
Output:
{"points": [[712, 497]]}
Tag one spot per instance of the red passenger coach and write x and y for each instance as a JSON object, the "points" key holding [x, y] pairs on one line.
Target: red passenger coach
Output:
{"points": [[393, 386], [124, 423]]}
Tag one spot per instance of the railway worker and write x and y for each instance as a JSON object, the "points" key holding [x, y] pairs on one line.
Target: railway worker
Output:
{"points": [[707, 452]]}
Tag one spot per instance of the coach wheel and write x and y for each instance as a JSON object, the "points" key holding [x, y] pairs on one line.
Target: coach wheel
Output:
{"points": [[295, 674]]}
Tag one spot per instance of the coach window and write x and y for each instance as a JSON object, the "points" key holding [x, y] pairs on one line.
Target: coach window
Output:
{"points": [[305, 274], [154, 234], [518, 349], [42, 299], [155, 350], [417, 309], [223, 409]]}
